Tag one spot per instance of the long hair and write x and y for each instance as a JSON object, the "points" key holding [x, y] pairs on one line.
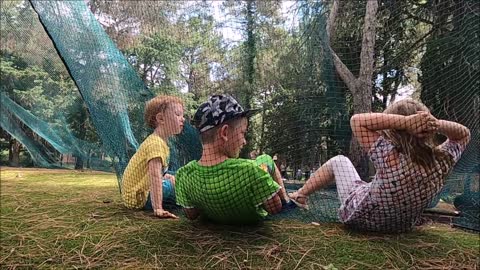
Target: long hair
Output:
{"points": [[422, 151]]}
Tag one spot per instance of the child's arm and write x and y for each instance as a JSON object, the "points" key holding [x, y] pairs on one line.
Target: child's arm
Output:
{"points": [[155, 175], [454, 131], [366, 125], [273, 205]]}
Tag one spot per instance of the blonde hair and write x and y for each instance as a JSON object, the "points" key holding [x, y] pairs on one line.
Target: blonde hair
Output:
{"points": [[158, 105], [422, 151]]}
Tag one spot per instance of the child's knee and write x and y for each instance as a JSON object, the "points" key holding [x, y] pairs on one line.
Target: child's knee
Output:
{"points": [[340, 159], [266, 163], [168, 189], [264, 158]]}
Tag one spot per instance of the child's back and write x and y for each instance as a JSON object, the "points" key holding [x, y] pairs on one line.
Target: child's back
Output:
{"points": [[227, 193], [136, 181]]}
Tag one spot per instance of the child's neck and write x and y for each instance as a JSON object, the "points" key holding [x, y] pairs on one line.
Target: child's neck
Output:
{"points": [[211, 156], [159, 131]]}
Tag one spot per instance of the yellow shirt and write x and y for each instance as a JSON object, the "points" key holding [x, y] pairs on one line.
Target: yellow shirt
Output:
{"points": [[136, 183]]}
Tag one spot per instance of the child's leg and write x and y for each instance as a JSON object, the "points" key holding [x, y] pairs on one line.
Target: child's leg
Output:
{"points": [[168, 191], [278, 178], [266, 163], [338, 169]]}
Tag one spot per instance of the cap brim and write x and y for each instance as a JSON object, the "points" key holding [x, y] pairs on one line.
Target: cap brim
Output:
{"points": [[250, 113]]}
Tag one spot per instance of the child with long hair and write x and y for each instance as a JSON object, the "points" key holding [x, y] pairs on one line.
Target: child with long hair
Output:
{"points": [[410, 168]]}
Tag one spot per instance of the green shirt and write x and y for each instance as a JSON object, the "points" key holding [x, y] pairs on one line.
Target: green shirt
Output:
{"points": [[231, 192]]}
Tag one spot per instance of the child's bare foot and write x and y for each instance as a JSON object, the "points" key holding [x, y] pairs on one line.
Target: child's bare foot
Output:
{"points": [[299, 199]]}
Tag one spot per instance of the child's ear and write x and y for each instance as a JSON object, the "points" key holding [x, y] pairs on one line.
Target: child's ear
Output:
{"points": [[159, 118], [223, 132]]}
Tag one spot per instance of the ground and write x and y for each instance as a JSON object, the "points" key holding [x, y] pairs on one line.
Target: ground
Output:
{"points": [[68, 219]]}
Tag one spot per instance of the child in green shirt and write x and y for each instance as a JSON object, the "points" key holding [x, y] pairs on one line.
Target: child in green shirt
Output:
{"points": [[220, 186]]}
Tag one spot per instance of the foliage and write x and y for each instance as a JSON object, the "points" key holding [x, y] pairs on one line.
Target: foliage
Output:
{"points": [[447, 96], [286, 71], [306, 115]]}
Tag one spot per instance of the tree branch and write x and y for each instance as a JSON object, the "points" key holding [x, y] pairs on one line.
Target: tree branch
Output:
{"points": [[368, 42], [342, 70], [331, 20]]}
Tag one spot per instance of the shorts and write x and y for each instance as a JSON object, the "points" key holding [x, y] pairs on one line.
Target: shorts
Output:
{"points": [[168, 195]]}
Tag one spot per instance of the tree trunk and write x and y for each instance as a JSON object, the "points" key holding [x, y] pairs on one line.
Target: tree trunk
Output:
{"points": [[331, 19], [249, 71], [251, 53], [190, 83], [78, 163], [89, 160], [14, 153], [361, 87], [364, 84], [82, 134]]}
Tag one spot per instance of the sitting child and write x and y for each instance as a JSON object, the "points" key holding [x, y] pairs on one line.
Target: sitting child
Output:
{"points": [[143, 185], [220, 186], [410, 169]]}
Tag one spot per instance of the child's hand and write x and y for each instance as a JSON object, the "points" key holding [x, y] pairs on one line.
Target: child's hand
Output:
{"points": [[170, 178], [421, 124], [163, 214]]}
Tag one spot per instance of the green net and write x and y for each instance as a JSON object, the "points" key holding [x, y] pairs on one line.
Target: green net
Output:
{"points": [[76, 76], [112, 91]]}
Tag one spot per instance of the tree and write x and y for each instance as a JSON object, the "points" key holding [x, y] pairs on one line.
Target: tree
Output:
{"points": [[156, 59], [124, 21], [254, 19], [451, 66], [305, 117], [202, 58], [360, 86]]}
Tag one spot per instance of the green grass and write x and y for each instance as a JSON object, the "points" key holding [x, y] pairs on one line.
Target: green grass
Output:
{"points": [[66, 219]]}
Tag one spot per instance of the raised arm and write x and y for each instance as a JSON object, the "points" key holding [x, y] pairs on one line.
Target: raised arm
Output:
{"points": [[365, 126], [454, 131], [156, 195]]}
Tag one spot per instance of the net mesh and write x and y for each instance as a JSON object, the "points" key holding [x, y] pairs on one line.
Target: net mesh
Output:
{"points": [[76, 76]]}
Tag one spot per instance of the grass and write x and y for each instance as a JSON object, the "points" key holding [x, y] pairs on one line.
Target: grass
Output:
{"points": [[66, 219]]}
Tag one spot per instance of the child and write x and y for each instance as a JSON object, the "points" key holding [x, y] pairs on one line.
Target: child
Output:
{"points": [[410, 170], [220, 186], [142, 185]]}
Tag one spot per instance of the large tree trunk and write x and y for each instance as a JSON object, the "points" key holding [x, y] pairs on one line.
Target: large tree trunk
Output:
{"points": [[251, 53], [249, 72], [14, 153], [78, 163], [361, 87], [81, 135], [364, 83]]}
